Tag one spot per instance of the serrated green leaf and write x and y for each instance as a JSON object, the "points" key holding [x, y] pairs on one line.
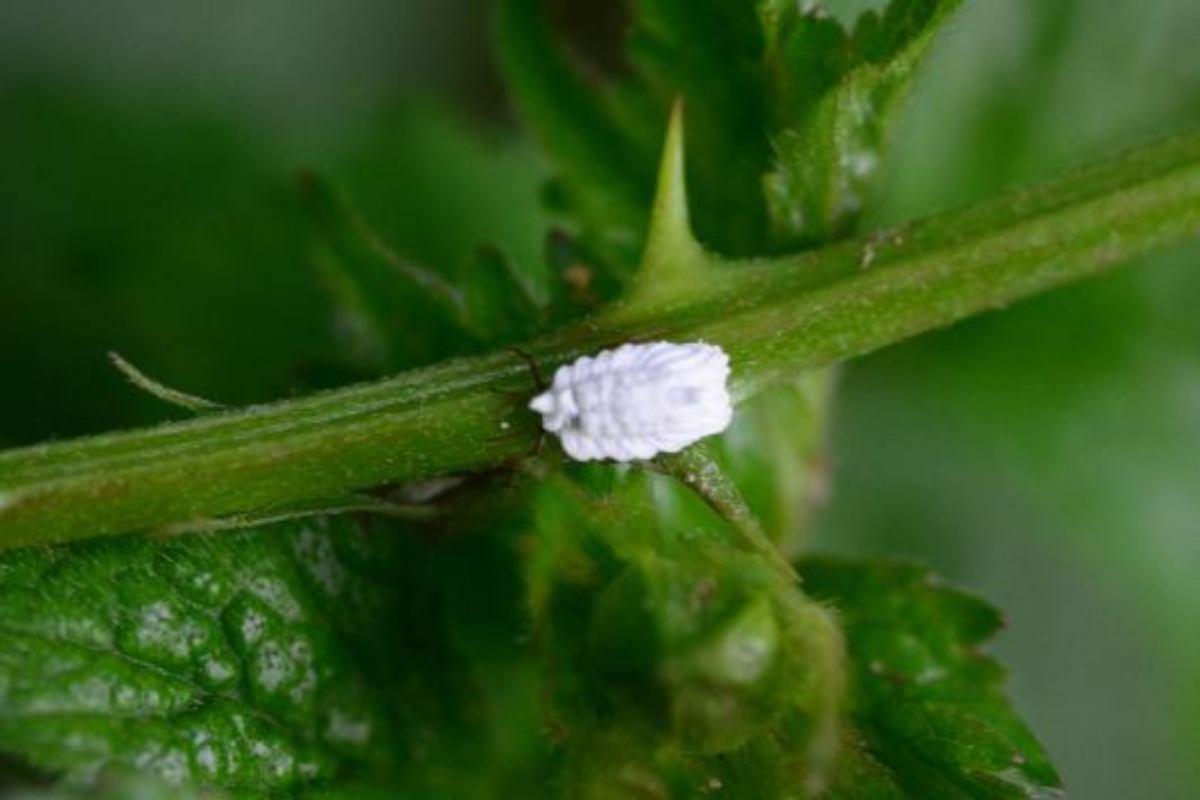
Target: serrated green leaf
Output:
{"points": [[929, 705], [605, 136], [437, 186], [834, 95], [461, 203], [609, 174], [708, 53], [389, 312], [497, 307]]}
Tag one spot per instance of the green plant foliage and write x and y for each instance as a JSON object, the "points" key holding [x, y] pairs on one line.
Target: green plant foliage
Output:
{"points": [[457, 270], [343, 652], [775, 317], [98, 244], [834, 96], [675, 659], [125, 788], [779, 96], [927, 703], [254, 661], [379, 297], [776, 454], [1096, 446], [540, 628]]}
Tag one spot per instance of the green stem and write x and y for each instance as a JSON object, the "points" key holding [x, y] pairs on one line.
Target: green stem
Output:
{"points": [[775, 317], [696, 469]]}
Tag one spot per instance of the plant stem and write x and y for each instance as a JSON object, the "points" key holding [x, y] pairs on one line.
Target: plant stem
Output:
{"points": [[775, 317], [696, 468]]}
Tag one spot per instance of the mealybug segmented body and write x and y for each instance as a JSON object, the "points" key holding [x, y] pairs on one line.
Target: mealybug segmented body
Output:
{"points": [[637, 400]]}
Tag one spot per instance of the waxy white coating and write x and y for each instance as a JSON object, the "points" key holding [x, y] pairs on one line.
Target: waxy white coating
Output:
{"points": [[638, 400]]}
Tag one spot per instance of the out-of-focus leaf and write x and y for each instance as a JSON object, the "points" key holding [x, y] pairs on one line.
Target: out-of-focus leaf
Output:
{"points": [[389, 313], [677, 662], [775, 453], [176, 243], [498, 308], [112, 788], [710, 54], [437, 189], [450, 260], [834, 95], [165, 238], [927, 703]]}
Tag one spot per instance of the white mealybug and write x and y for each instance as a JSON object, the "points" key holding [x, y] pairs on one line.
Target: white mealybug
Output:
{"points": [[637, 400]]}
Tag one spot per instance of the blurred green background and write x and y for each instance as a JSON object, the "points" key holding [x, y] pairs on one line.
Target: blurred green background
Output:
{"points": [[1048, 456]]}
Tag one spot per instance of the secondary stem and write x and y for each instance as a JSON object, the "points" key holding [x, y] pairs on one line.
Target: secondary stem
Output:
{"points": [[775, 317]]}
